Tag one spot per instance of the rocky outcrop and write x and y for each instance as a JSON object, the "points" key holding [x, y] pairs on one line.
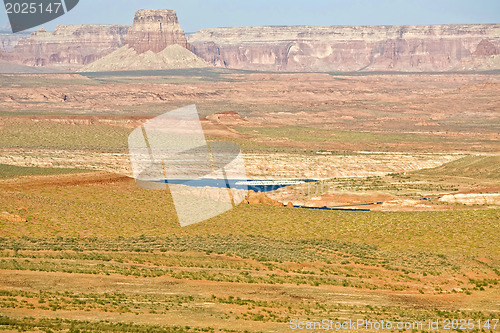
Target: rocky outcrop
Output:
{"points": [[228, 118], [486, 48], [69, 46], [155, 41], [294, 49], [154, 30], [254, 198], [342, 48]]}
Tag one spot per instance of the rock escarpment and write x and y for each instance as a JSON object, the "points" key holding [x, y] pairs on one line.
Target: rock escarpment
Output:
{"points": [[295, 48], [155, 41], [69, 46], [345, 48]]}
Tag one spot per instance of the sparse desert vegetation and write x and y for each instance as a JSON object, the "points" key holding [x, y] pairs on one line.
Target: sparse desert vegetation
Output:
{"points": [[84, 249]]}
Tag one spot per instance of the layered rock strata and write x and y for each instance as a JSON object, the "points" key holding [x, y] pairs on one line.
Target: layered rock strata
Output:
{"points": [[155, 41], [351, 48], [69, 46], [154, 30]]}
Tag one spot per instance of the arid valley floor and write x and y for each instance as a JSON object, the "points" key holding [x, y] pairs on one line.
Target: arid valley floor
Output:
{"points": [[84, 249]]}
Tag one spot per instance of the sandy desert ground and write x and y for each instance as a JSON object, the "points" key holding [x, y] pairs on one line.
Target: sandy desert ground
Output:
{"points": [[83, 248]]}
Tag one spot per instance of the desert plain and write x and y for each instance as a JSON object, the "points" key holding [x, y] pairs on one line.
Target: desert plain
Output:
{"points": [[84, 249]]}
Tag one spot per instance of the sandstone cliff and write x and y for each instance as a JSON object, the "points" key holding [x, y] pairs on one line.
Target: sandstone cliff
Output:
{"points": [[155, 41], [343, 48], [154, 30], [69, 46], [297, 48]]}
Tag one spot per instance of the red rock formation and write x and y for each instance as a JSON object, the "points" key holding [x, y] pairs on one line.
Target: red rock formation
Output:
{"points": [[73, 46], [260, 198], [227, 118], [342, 48], [155, 30], [303, 48], [485, 48], [69, 46], [155, 41]]}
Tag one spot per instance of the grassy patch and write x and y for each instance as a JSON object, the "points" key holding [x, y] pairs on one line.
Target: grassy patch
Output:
{"points": [[47, 134], [180, 75], [65, 325], [123, 209], [309, 134], [478, 167], [42, 80], [11, 171]]}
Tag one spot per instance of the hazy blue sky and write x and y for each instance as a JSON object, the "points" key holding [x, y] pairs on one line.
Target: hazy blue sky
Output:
{"points": [[197, 14]]}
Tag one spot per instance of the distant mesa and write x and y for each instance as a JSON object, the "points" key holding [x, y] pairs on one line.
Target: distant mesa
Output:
{"points": [[155, 41], [68, 47], [154, 30], [433, 48]]}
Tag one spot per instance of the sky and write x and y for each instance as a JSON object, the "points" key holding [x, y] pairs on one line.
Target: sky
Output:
{"points": [[198, 14]]}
